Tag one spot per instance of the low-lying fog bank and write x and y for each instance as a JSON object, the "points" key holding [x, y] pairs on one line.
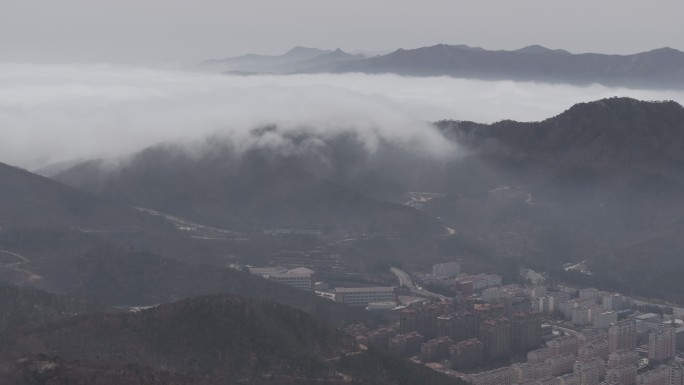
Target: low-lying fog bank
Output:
{"points": [[51, 113]]}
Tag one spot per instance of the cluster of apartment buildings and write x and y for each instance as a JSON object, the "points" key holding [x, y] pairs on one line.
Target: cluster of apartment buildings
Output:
{"points": [[591, 307], [466, 334], [604, 350], [595, 355], [608, 345], [449, 274]]}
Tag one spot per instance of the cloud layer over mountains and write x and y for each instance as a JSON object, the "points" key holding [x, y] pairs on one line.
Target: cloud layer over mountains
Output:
{"points": [[51, 113]]}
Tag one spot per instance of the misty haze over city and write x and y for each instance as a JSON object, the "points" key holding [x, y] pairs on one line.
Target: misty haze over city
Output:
{"points": [[341, 192], [66, 112]]}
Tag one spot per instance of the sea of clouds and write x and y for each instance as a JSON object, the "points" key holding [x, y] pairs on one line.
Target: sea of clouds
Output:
{"points": [[53, 113]]}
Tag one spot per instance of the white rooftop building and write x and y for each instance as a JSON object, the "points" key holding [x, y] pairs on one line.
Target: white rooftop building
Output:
{"points": [[362, 296], [446, 269]]}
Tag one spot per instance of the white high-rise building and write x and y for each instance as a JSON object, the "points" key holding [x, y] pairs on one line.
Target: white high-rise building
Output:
{"points": [[446, 269], [622, 335], [661, 343], [603, 320], [615, 301]]}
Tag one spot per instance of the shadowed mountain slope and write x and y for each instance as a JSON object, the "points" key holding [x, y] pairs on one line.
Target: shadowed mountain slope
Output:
{"points": [[86, 266], [24, 306], [29, 200], [211, 340], [584, 185], [260, 189]]}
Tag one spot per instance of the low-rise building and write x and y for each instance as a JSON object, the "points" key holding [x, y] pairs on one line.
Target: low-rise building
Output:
{"points": [[299, 278], [625, 375], [591, 335], [615, 301], [264, 271], [602, 320], [590, 371], [657, 376], [566, 308], [622, 358], [561, 364], [501, 376], [539, 355], [647, 321], [563, 345], [590, 350], [527, 371], [478, 282], [362, 296]]}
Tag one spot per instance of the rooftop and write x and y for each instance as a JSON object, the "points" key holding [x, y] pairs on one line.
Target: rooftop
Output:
{"points": [[267, 270], [376, 289], [301, 270]]}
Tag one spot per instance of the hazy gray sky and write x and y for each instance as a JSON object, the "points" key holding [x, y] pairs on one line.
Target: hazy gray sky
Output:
{"points": [[186, 31]]}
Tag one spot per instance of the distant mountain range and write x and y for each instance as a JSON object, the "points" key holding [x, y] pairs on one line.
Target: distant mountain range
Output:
{"points": [[659, 68], [297, 59]]}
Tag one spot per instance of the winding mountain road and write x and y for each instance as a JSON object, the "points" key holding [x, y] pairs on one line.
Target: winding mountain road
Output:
{"points": [[405, 281]]}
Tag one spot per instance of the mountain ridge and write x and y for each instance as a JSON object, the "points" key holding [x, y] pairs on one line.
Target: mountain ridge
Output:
{"points": [[582, 185], [206, 340], [661, 68]]}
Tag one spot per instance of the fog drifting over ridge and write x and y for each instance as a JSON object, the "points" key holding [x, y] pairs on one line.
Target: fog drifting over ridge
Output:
{"points": [[51, 113]]}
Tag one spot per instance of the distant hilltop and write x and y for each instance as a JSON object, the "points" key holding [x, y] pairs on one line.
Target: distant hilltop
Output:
{"points": [[298, 59], [661, 68]]}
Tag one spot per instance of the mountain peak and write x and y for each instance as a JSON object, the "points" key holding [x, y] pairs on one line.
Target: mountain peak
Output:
{"points": [[666, 52], [539, 49], [299, 50], [623, 105]]}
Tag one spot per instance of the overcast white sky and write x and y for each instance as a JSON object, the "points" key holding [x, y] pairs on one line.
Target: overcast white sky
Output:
{"points": [[187, 31]]}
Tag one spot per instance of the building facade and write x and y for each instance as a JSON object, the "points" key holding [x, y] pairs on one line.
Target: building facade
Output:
{"points": [[362, 296], [662, 343], [622, 335], [446, 269]]}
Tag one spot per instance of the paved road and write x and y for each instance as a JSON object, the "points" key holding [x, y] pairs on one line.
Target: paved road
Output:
{"points": [[405, 280], [16, 266], [677, 311]]}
